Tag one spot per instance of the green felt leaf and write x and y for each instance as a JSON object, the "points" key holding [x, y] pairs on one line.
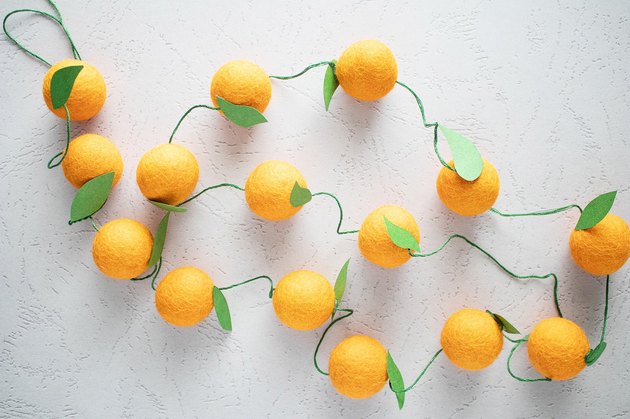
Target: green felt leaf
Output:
{"points": [[340, 283], [596, 210], [330, 84], [468, 161], [61, 84], [91, 197], [395, 380], [401, 237], [244, 116], [158, 240], [222, 309], [504, 324], [167, 207], [300, 195], [593, 355]]}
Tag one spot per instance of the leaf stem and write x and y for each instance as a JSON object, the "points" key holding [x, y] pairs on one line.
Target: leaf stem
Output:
{"points": [[340, 213], [52, 163], [271, 288], [321, 339], [536, 213], [434, 125], [170, 139], [220, 185], [499, 264], [321, 63], [424, 370]]}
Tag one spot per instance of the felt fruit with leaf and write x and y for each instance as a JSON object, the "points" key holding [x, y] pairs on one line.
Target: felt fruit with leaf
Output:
{"points": [[375, 242], [600, 242], [89, 156], [167, 173], [557, 348], [268, 190], [367, 70], [121, 248], [80, 84], [358, 367], [238, 86], [184, 297], [603, 248], [471, 339], [303, 300], [468, 197]]}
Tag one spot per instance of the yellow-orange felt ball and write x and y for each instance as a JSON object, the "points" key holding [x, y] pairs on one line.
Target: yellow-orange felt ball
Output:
{"points": [[358, 367], [241, 83], [374, 241], [367, 70], [89, 156], [471, 339], [603, 248], [268, 190], [87, 95], [468, 198]]}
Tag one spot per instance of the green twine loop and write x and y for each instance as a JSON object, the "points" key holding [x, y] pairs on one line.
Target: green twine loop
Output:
{"points": [[170, 139], [349, 313], [271, 288], [303, 71], [340, 213], [209, 188], [499, 264], [153, 275], [52, 163], [426, 124], [58, 20]]}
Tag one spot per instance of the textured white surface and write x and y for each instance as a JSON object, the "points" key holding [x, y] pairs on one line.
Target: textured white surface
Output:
{"points": [[541, 87]]}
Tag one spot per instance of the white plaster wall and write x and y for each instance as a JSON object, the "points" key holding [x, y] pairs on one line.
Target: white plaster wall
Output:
{"points": [[541, 87]]}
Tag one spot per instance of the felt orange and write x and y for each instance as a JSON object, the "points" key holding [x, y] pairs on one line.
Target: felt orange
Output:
{"points": [[89, 156], [603, 248], [184, 296], [557, 348], [374, 241], [242, 83], [168, 173], [88, 93], [303, 300], [268, 190], [121, 248], [367, 70], [358, 367], [468, 198], [471, 339]]}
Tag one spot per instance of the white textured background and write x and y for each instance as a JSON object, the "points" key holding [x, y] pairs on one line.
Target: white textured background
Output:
{"points": [[542, 88]]}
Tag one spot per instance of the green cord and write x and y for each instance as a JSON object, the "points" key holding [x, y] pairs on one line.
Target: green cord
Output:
{"points": [[154, 273], [94, 226], [52, 163], [185, 115], [59, 21], [348, 314], [433, 125], [510, 339], [424, 370], [499, 264], [220, 185], [340, 213], [303, 71], [519, 342], [271, 289], [540, 212]]}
